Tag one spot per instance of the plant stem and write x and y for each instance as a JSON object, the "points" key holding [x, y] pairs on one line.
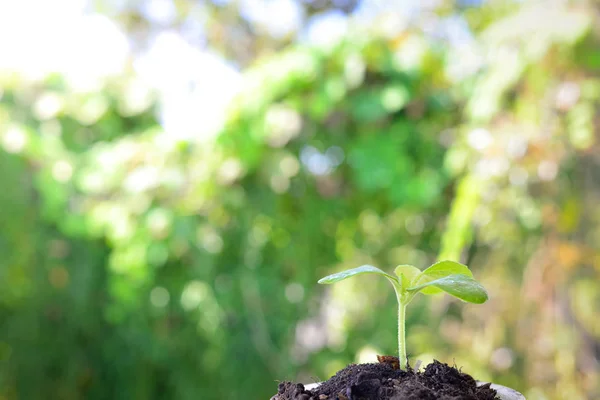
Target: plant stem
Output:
{"points": [[402, 335]]}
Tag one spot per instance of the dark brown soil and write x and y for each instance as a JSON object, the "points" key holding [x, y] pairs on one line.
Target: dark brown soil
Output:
{"points": [[384, 382]]}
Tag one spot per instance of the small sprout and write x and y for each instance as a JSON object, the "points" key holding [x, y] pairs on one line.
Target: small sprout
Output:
{"points": [[445, 276]]}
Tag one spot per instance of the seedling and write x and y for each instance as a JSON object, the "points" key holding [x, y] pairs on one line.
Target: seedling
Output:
{"points": [[445, 276]]}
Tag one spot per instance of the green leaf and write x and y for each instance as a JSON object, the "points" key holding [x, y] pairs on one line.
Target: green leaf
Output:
{"points": [[440, 270], [407, 274], [460, 286], [365, 269], [445, 268]]}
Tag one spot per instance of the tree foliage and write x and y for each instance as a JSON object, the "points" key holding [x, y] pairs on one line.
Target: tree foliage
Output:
{"points": [[138, 264]]}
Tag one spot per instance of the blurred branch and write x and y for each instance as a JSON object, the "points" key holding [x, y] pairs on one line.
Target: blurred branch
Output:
{"points": [[459, 225]]}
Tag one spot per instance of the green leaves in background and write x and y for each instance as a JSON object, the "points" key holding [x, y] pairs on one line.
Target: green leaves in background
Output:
{"points": [[154, 260]]}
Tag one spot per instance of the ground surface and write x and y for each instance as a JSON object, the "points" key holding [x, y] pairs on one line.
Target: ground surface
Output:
{"points": [[383, 381]]}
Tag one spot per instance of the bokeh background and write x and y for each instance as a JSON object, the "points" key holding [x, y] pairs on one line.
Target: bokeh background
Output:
{"points": [[176, 176]]}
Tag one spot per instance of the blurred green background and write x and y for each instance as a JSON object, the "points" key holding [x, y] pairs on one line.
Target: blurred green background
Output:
{"points": [[176, 176]]}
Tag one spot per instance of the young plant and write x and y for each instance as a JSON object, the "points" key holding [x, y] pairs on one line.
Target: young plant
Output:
{"points": [[445, 276]]}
